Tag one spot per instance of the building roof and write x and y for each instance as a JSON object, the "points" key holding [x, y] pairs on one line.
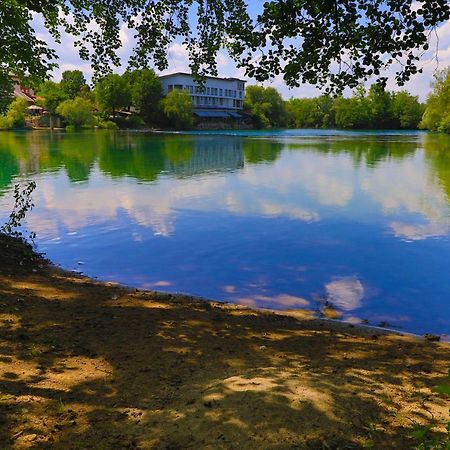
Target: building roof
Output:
{"points": [[206, 76], [23, 95]]}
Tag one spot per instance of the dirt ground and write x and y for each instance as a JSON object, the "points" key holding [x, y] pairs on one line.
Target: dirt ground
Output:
{"points": [[89, 365]]}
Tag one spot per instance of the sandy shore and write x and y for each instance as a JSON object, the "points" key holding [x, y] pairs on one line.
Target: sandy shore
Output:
{"points": [[85, 364]]}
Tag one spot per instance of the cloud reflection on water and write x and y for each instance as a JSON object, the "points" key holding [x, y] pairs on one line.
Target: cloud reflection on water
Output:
{"points": [[314, 204]]}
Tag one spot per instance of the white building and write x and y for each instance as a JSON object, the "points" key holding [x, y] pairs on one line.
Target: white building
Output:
{"points": [[226, 94]]}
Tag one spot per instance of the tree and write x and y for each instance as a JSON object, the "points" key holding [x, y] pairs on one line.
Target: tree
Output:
{"points": [[352, 112], [266, 106], [437, 111], [112, 93], [15, 114], [50, 95], [72, 83], [177, 106], [334, 42], [6, 89], [379, 103], [76, 112], [146, 92], [407, 110], [311, 112]]}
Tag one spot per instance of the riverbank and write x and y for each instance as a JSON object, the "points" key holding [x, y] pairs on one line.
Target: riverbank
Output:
{"points": [[86, 364]]}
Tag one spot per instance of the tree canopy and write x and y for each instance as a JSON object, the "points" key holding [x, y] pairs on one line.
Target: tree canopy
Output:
{"points": [[375, 108], [112, 93], [146, 92], [177, 106], [76, 112], [437, 112], [335, 43], [266, 106], [73, 83]]}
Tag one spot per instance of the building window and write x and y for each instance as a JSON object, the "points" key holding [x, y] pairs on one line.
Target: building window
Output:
{"points": [[221, 92], [170, 87]]}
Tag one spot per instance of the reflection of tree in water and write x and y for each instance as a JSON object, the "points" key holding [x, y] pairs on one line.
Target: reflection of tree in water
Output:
{"points": [[437, 153], [145, 157], [259, 151], [9, 168], [369, 152], [36, 152], [131, 155], [178, 150]]}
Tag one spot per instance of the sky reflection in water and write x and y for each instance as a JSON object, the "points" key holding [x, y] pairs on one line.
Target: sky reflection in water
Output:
{"points": [[282, 220]]}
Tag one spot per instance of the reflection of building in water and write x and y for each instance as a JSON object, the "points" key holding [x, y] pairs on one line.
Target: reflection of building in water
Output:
{"points": [[207, 156]]}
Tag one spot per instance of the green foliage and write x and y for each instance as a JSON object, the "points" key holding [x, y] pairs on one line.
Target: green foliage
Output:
{"points": [[266, 107], [50, 97], [351, 112], [105, 124], [22, 204], [437, 112], [376, 108], [15, 115], [311, 112], [407, 110], [422, 433], [378, 102], [177, 106], [6, 88], [21, 51], [73, 83], [112, 93], [304, 40], [146, 93], [135, 121], [77, 112]]}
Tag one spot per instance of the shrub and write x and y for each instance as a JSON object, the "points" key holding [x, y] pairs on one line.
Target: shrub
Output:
{"points": [[106, 124], [77, 112], [15, 115]]}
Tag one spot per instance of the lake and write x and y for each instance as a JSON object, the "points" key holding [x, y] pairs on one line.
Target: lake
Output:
{"points": [[352, 224]]}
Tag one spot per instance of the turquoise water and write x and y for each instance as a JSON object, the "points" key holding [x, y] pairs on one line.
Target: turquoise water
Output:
{"points": [[358, 222]]}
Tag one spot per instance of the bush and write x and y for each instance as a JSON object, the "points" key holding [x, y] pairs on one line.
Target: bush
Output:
{"points": [[77, 113], [177, 106], [5, 123], [106, 124], [15, 115], [135, 122]]}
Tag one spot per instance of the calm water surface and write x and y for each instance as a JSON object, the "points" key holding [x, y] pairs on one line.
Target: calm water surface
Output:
{"points": [[284, 220]]}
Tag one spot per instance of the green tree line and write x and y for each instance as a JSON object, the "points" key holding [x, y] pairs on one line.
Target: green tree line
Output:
{"points": [[365, 109], [140, 91], [103, 105]]}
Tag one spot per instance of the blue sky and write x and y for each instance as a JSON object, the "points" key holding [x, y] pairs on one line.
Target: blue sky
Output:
{"points": [[178, 61]]}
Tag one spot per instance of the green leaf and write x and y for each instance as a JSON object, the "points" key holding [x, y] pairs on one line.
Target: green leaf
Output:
{"points": [[442, 389]]}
